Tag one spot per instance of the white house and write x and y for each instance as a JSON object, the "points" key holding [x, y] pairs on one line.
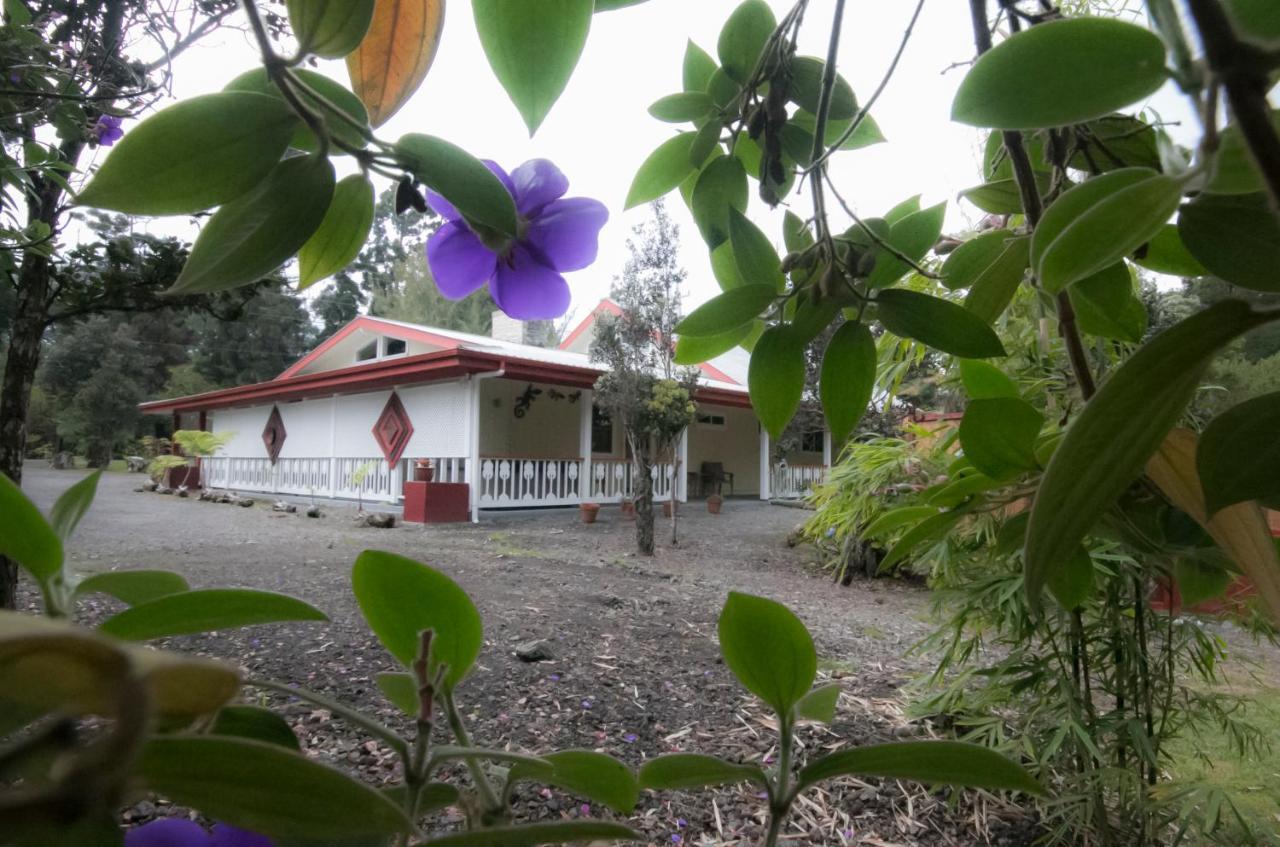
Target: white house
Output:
{"points": [[514, 421]]}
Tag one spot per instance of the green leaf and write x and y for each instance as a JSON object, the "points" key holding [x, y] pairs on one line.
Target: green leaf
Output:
{"points": [[930, 529], [206, 610], [819, 704], [681, 771], [663, 170], [25, 536], [698, 68], [1199, 580], [721, 186], [1106, 231], [133, 587], [1003, 197], [1235, 237], [913, 236], [848, 377], [329, 28], [596, 776], [692, 350], [768, 649], [796, 236], [1106, 305], [724, 266], [72, 504], [201, 152], [1084, 68], [948, 495], [250, 237], [727, 311], [1234, 169], [1166, 254], [256, 723], [722, 89], [705, 143], [264, 788], [460, 178], [1238, 457], [686, 106], [971, 259], [939, 323], [259, 81], [529, 834], [757, 261], [611, 5], [533, 48], [743, 38], [931, 762], [1120, 428], [894, 519], [984, 381], [1257, 19], [999, 436], [401, 689], [993, 289], [341, 234], [448, 752], [775, 378], [1116, 141], [400, 598], [1072, 583], [806, 89], [867, 133], [1078, 199]]}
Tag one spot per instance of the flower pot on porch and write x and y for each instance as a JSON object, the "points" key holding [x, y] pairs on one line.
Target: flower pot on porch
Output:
{"points": [[628, 508], [666, 508], [423, 470], [589, 512], [714, 502]]}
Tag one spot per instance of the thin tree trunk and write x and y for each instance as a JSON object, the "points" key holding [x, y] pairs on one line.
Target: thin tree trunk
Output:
{"points": [[644, 504]]}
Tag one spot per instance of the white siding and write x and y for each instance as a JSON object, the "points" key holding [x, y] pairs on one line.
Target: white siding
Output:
{"points": [[440, 415], [306, 426], [247, 424], [355, 419]]}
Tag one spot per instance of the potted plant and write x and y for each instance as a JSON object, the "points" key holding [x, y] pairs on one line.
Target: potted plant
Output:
{"points": [[628, 507], [714, 502], [589, 512], [667, 506], [423, 470]]}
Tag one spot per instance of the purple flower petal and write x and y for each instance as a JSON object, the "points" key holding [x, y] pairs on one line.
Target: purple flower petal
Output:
{"points": [[168, 832], [568, 232], [537, 182], [458, 261], [527, 289], [225, 835], [446, 210]]}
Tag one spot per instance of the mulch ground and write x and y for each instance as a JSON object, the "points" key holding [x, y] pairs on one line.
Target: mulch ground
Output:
{"points": [[636, 670]]}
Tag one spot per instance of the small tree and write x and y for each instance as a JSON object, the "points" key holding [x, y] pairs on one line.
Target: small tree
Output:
{"points": [[644, 391]]}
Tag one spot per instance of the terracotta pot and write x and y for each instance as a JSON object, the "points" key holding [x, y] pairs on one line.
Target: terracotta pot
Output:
{"points": [[714, 502], [589, 512], [423, 471], [628, 509], [666, 508]]}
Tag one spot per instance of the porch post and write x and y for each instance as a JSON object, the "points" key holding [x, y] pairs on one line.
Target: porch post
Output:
{"points": [[826, 448], [333, 446], [473, 448], [681, 469], [764, 463], [586, 403]]}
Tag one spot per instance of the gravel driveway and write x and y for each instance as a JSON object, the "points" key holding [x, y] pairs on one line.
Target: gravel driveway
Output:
{"points": [[636, 672]]}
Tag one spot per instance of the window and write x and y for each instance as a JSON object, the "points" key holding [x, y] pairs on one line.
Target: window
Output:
{"points": [[811, 442], [601, 431], [396, 346], [368, 351], [711, 420]]}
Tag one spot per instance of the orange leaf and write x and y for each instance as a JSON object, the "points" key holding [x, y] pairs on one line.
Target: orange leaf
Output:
{"points": [[1241, 530], [395, 55]]}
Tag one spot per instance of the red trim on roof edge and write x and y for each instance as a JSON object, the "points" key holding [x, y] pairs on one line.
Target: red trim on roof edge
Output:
{"points": [[371, 323], [605, 305]]}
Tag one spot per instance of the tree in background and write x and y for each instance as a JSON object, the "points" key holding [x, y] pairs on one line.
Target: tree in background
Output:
{"points": [[412, 296], [273, 332], [339, 304], [642, 389]]}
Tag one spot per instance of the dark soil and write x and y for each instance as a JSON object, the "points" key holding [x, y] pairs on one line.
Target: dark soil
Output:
{"points": [[637, 672]]}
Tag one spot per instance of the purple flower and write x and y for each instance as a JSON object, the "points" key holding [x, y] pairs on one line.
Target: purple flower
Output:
{"points": [[107, 130], [175, 832], [676, 838], [555, 234], [585, 809], [586, 704], [630, 738]]}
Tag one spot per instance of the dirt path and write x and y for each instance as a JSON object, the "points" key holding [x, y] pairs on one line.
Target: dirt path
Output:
{"points": [[636, 673]]}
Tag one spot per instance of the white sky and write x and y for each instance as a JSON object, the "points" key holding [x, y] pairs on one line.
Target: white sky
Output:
{"points": [[599, 132]]}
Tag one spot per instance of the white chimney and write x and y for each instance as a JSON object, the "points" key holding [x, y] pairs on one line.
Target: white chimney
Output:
{"points": [[507, 328]]}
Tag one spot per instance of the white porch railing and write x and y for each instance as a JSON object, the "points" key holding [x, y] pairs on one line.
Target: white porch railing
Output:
{"points": [[324, 477], [793, 481], [612, 480], [529, 482]]}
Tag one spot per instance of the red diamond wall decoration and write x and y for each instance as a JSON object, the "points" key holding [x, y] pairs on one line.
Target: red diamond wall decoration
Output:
{"points": [[273, 434], [393, 429]]}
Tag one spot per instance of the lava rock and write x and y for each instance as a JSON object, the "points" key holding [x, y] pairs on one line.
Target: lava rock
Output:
{"points": [[282, 506], [245, 502], [182, 491], [313, 511], [381, 520], [535, 651], [164, 489]]}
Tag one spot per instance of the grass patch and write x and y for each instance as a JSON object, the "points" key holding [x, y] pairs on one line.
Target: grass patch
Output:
{"points": [[1252, 783], [504, 547]]}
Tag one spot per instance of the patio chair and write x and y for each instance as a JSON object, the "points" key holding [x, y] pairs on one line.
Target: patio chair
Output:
{"points": [[714, 474]]}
